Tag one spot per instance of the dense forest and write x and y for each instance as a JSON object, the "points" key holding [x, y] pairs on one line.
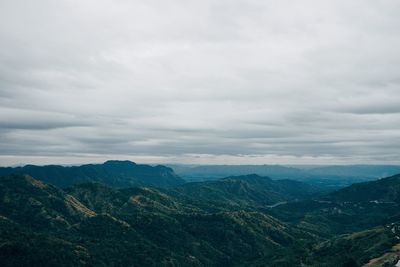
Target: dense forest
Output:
{"points": [[246, 220]]}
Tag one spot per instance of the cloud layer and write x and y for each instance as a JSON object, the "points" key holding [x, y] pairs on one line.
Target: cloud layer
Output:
{"points": [[200, 81]]}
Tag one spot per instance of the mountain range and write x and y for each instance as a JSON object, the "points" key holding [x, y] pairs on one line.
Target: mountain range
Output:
{"points": [[113, 173], [327, 176], [245, 220]]}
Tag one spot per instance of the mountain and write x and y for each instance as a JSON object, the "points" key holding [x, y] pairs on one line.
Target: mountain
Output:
{"points": [[39, 205], [355, 249], [206, 172], [376, 202], [366, 171], [327, 219], [228, 222], [96, 225], [113, 173], [331, 177], [383, 190], [249, 191]]}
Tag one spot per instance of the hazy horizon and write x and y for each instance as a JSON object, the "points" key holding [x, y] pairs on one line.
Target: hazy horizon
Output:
{"points": [[298, 166], [227, 82]]}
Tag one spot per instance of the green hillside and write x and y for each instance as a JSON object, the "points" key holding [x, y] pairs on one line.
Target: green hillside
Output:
{"points": [[383, 190], [113, 173], [230, 222], [138, 226], [247, 191]]}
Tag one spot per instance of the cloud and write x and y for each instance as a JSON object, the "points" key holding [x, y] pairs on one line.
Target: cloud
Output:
{"points": [[189, 81]]}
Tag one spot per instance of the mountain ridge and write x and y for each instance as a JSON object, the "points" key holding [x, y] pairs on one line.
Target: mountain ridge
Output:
{"points": [[331, 176], [113, 173], [382, 190]]}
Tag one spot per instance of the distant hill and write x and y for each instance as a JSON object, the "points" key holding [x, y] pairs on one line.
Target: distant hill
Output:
{"points": [[353, 208], [113, 173], [382, 190], [328, 176], [366, 171], [209, 172], [246, 191]]}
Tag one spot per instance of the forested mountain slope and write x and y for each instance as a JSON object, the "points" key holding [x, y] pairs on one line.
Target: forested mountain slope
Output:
{"points": [[113, 173], [223, 223]]}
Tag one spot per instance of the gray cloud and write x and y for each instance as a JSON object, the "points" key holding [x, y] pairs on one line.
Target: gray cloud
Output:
{"points": [[189, 81]]}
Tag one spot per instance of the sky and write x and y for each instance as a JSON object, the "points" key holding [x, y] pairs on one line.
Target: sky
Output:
{"points": [[182, 81]]}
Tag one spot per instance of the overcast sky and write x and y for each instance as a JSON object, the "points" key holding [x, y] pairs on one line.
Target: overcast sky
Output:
{"points": [[205, 81]]}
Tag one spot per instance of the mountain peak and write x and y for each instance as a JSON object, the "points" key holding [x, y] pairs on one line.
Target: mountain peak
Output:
{"points": [[119, 162]]}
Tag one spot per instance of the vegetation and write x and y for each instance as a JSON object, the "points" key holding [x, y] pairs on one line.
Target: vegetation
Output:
{"points": [[386, 190], [112, 173], [352, 249], [329, 177], [248, 191], [230, 222]]}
